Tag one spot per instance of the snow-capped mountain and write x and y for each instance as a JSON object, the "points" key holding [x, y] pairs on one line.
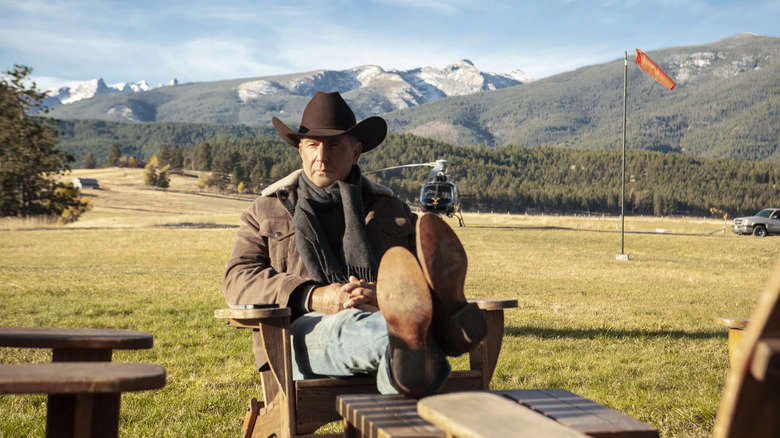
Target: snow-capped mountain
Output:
{"points": [[402, 89], [91, 88], [370, 90]]}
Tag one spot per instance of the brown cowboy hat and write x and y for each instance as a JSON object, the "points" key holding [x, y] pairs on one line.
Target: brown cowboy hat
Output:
{"points": [[328, 115]]}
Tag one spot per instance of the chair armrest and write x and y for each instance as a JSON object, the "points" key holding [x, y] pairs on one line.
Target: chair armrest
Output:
{"points": [[251, 318], [493, 304], [732, 323]]}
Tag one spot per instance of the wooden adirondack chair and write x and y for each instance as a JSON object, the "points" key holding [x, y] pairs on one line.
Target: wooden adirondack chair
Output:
{"points": [[750, 406], [298, 408]]}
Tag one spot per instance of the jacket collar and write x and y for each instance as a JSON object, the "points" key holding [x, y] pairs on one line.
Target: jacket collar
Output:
{"points": [[290, 183]]}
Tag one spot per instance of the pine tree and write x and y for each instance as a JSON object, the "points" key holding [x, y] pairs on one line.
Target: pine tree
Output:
{"points": [[150, 172], [163, 178], [164, 156], [176, 159], [114, 155], [203, 160], [67, 200], [89, 162], [152, 177], [29, 160]]}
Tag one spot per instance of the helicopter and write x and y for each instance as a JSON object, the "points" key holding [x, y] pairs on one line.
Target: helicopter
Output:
{"points": [[438, 195]]}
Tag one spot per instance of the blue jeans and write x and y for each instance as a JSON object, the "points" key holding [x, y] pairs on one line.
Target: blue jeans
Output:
{"points": [[348, 343]]}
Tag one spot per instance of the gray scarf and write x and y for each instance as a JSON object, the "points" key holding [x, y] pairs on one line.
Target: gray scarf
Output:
{"points": [[330, 231]]}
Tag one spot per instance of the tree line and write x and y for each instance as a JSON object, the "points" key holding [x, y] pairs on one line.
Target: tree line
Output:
{"points": [[516, 179]]}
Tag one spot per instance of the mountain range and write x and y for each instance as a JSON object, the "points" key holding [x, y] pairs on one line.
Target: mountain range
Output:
{"points": [[255, 100], [726, 103], [85, 90]]}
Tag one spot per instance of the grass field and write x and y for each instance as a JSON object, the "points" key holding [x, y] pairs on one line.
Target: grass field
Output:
{"points": [[637, 336]]}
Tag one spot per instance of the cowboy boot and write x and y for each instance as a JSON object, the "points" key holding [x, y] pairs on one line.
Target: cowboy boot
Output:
{"points": [[405, 302], [458, 326]]}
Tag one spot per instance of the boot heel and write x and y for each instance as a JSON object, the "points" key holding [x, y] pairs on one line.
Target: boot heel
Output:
{"points": [[462, 331]]}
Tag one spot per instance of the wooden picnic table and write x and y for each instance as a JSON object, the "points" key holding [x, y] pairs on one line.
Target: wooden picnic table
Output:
{"points": [[83, 397], [75, 344], [397, 416]]}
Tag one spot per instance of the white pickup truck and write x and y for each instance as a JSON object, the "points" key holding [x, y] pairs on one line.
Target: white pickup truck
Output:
{"points": [[766, 221]]}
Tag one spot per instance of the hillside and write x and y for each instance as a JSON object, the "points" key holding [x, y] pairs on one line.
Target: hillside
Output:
{"points": [[123, 201], [726, 105]]}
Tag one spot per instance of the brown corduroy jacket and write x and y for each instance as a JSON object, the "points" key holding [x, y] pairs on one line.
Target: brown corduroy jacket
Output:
{"points": [[265, 268]]}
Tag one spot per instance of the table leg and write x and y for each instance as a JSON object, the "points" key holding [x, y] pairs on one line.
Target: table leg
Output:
{"points": [[350, 431], [735, 338], [81, 355], [83, 415]]}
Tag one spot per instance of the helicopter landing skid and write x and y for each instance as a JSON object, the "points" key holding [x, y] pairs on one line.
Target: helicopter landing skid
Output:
{"points": [[458, 215]]}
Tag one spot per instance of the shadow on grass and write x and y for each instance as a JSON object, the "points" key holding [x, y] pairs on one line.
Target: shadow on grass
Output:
{"points": [[524, 227], [586, 230], [549, 333]]}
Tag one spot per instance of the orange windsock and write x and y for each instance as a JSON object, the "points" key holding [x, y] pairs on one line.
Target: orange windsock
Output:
{"points": [[649, 66]]}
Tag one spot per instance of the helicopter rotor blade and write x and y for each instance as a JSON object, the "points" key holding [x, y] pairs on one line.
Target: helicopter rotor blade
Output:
{"points": [[401, 166]]}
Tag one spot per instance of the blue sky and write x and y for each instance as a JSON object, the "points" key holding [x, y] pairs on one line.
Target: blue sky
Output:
{"points": [[194, 41]]}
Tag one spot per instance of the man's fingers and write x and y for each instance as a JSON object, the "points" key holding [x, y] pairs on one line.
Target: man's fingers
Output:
{"points": [[354, 283], [359, 300]]}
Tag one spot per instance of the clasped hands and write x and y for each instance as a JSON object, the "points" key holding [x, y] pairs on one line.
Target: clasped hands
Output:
{"points": [[335, 297]]}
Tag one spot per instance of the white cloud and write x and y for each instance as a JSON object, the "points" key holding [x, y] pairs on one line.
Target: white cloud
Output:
{"points": [[44, 83], [213, 59], [444, 7], [40, 8]]}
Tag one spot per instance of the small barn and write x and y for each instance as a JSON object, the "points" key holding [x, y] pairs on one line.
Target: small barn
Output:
{"points": [[84, 183]]}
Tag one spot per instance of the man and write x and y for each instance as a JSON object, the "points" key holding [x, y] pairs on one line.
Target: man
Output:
{"points": [[339, 250]]}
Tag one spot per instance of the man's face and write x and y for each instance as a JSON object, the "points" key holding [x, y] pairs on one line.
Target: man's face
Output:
{"points": [[327, 160]]}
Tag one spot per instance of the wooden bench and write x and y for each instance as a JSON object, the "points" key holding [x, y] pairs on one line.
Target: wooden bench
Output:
{"points": [[75, 344], [397, 416], [83, 397]]}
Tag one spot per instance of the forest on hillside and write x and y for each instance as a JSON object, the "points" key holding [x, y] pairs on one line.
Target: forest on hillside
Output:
{"points": [[513, 179], [562, 180]]}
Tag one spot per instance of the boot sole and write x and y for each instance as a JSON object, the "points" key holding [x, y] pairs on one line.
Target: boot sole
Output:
{"points": [[405, 302], [458, 325]]}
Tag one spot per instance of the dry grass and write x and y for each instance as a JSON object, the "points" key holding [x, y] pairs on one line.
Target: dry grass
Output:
{"points": [[637, 336], [123, 201]]}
